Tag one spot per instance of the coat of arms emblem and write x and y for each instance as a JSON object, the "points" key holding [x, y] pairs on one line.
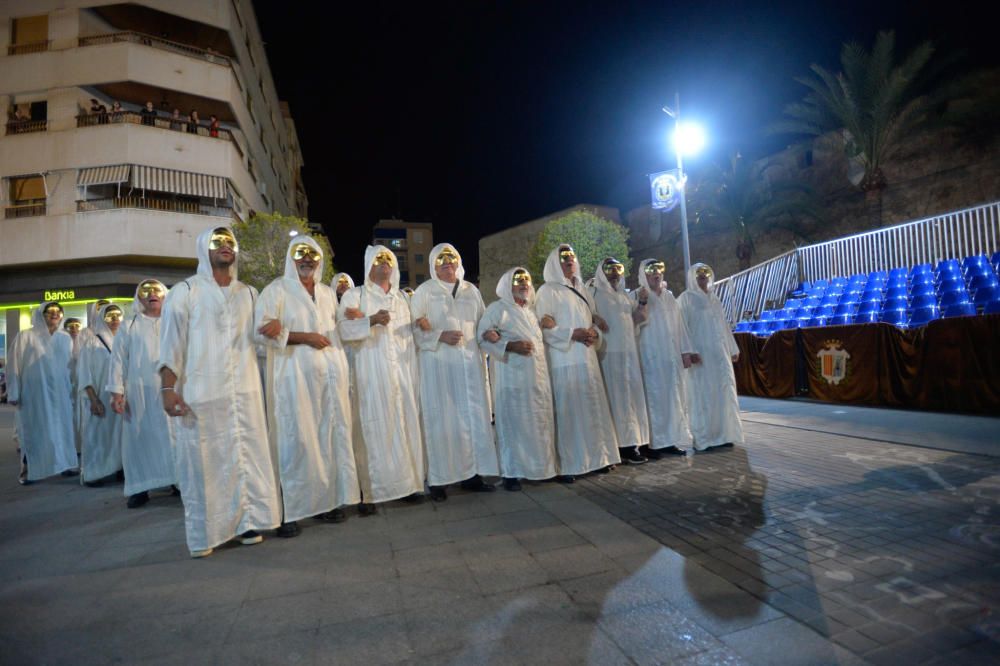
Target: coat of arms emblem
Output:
{"points": [[833, 361]]}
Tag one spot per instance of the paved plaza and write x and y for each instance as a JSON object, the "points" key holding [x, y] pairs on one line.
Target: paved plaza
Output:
{"points": [[811, 544]]}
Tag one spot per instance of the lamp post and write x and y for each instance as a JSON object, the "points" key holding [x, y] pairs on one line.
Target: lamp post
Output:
{"points": [[688, 138]]}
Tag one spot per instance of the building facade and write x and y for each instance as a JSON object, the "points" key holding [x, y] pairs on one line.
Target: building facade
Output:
{"points": [[100, 189], [411, 242]]}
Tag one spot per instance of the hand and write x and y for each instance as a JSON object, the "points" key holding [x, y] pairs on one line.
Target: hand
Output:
{"points": [[450, 337], [643, 294], [686, 360], [272, 329], [639, 315], [695, 358], [97, 408], [118, 403], [317, 340], [491, 336], [173, 405], [736, 357], [547, 321], [600, 323], [380, 318], [353, 313], [522, 347], [423, 324], [585, 336]]}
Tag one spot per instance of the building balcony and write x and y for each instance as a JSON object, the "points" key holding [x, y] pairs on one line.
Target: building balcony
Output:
{"points": [[153, 203], [133, 37], [27, 126], [33, 208], [29, 47], [158, 122]]}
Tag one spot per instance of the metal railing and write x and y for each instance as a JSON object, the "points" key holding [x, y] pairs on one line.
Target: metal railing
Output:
{"points": [[133, 37], [953, 235], [32, 208], [29, 47], [158, 121], [152, 203], [26, 126]]}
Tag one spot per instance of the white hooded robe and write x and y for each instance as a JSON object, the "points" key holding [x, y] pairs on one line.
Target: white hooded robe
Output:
{"points": [[224, 467], [454, 404], [620, 362], [585, 435], [100, 436], [308, 395], [663, 337], [524, 421], [147, 452], [38, 379], [714, 408], [388, 452]]}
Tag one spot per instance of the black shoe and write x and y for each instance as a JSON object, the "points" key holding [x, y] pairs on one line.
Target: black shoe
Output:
{"points": [[566, 478], [288, 530], [250, 537], [477, 485], [94, 484], [335, 516], [606, 470], [651, 454], [673, 451], [70, 472], [415, 498], [365, 510], [511, 484], [632, 456], [727, 445], [120, 475], [175, 491], [438, 493], [137, 500]]}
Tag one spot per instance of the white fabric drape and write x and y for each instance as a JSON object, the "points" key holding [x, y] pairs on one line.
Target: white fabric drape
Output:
{"points": [[100, 436]]}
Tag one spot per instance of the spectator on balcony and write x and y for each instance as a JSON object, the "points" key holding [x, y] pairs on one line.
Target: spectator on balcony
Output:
{"points": [[213, 127], [99, 110], [148, 114], [117, 112], [193, 122], [176, 121]]}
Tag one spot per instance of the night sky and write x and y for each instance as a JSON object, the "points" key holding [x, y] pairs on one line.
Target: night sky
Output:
{"points": [[477, 116]]}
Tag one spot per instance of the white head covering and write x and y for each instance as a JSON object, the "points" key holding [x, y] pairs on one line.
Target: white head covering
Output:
{"points": [[290, 272], [553, 269], [204, 265], [370, 252], [692, 281], [336, 281], [643, 282], [137, 306], [601, 280], [101, 328], [459, 272], [38, 316], [505, 287]]}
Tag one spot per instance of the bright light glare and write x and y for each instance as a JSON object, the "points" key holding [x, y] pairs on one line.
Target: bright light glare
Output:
{"points": [[689, 138], [293, 233]]}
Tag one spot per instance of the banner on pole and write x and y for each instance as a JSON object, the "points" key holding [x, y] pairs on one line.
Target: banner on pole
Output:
{"points": [[665, 189]]}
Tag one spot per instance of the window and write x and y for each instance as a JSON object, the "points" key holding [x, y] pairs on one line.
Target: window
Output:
{"points": [[29, 34], [27, 117], [27, 196], [418, 237], [419, 258]]}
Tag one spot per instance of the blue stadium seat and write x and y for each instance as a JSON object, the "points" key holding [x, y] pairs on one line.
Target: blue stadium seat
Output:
{"points": [[844, 309], [869, 306], [895, 304], [986, 295], [918, 289], [975, 260], [850, 298], [858, 278], [922, 278], [767, 315], [775, 325], [980, 281], [841, 320], [896, 283], [923, 301], [790, 323], [878, 275], [812, 302], [993, 307], [895, 317], [894, 293], [838, 282], [995, 261], [866, 318], [824, 311], [898, 272], [921, 269], [959, 310], [742, 327], [871, 295], [758, 328], [948, 266], [830, 299], [820, 284], [954, 297], [980, 266], [946, 286], [921, 316], [817, 321]]}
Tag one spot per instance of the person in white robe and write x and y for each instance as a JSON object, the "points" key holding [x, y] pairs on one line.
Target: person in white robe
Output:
{"points": [[525, 424], [454, 405], [341, 283], [308, 391], [620, 360], [134, 384], [210, 385], [73, 327], [375, 320], [38, 386], [85, 336], [101, 427], [585, 435], [714, 408], [665, 350]]}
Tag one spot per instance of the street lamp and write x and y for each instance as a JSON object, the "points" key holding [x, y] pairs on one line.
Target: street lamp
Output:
{"points": [[688, 139]]}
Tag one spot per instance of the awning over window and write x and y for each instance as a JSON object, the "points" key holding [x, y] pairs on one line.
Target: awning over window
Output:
{"points": [[178, 182], [103, 175]]}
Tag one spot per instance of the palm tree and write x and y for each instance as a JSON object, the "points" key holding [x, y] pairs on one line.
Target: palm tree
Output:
{"points": [[745, 200], [877, 103]]}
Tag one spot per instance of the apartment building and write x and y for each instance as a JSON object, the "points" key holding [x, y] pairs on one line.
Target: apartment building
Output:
{"points": [[98, 195], [411, 242]]}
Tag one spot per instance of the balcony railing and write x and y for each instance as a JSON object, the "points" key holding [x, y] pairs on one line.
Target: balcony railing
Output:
{"points": [[32, 208], [156, 42], [151, 203], [29, 47], [26, 126], [160, 122]]}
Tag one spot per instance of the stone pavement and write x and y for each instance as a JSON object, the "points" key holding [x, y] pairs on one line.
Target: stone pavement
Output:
{"points": [[799, 548]]}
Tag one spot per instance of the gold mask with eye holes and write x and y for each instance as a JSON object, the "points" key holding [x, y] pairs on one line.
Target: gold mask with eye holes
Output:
{"points": [[222, 237], [112, 314], [655, 268], [566, 255], [703, 271], [446, 256], [521, 278], [150, 288], [613, 267], [303, 250], [384, 258]]}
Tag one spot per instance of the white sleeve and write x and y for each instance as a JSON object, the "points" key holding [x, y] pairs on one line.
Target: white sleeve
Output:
{"points": [[268, 307], [352, 330]]}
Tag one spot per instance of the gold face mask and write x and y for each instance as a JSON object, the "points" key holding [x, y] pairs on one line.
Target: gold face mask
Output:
{"points": [[384, 259], [655, 268], [613, 268], [53, 310], [73, 326], [446, 256], [703, 271], [303, 250], [112, 315], [566, 256], [342, 282], [147, 289], [521, 278], [220, 238]]}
